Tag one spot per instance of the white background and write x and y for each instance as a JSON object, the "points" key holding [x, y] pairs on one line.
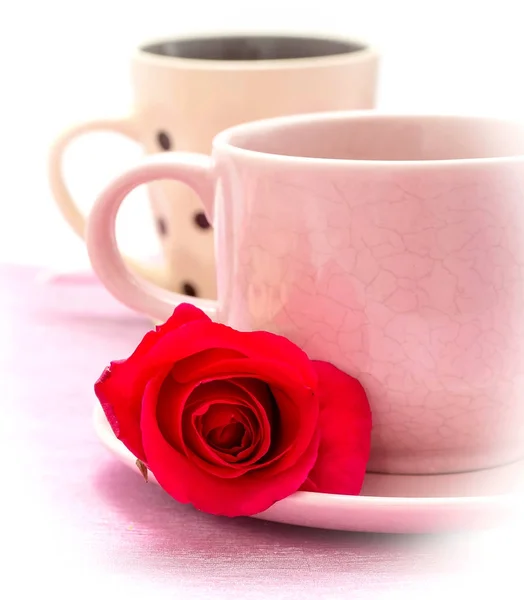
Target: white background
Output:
{"points": [[63, 61]]}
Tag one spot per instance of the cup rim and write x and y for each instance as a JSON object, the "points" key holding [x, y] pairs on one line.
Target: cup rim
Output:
{"points": [[364, 53], [223, 141]]}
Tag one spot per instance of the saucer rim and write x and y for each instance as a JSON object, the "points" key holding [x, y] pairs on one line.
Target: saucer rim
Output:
{"points": [[116, 447]]}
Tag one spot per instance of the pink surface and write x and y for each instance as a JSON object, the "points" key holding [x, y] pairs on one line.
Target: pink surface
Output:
{"points": [[79, 524]]}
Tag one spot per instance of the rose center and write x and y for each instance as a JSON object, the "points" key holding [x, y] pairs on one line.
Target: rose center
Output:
{"points": [[227, 437], [228, 423]]}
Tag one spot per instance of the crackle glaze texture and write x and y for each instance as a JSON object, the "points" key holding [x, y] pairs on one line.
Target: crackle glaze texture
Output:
{"points": [[401, 262], [411, 280], [190, 103]]}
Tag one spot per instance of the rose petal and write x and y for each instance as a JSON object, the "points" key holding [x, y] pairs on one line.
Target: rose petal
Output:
{"points": [[298, 422], [264, 406], [260, 393], [162, 459], [244, 427], [216, 420], [256, 345], [276, 375], [184, 368], [121, 386], [345, 433], [227, 437], [232, 437], [229, 430], [266, 345], [172, 399]]}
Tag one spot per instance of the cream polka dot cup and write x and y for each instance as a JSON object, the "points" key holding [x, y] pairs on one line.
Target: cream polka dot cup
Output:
{"points": [[185, 91], [391, 246]]}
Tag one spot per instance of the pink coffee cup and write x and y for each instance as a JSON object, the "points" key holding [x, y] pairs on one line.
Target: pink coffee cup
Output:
{"points": [[389, 245]]}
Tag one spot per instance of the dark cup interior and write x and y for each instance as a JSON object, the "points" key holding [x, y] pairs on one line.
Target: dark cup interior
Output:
{"points": [[248, 48]]}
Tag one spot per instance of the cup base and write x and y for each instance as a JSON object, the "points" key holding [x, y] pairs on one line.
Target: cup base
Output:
{"points": [[442, 462]]}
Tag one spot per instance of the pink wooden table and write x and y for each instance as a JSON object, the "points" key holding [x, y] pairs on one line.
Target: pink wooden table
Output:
{"points": [[77, 524]]}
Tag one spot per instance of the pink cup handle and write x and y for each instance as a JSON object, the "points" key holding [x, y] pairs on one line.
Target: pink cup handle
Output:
{"points": [[194, 170]]}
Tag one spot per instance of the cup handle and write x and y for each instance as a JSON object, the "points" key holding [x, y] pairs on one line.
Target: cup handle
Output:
{"points": [[194, 170], [65, 202]]}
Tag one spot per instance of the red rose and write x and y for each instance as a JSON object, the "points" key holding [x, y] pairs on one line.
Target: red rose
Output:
{"points": [[232, 421]]}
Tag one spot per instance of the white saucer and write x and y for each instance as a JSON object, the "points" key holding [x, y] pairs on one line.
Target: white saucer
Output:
{"points": [[390, 503]]}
